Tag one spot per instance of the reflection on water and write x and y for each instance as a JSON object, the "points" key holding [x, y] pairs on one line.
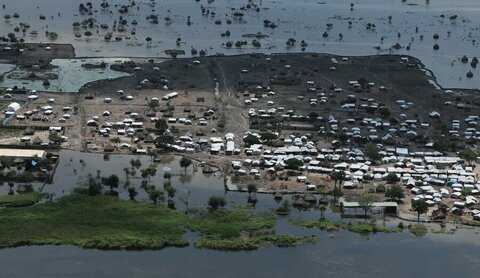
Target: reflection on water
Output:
{"points": [[336, 254], [302, 19]]}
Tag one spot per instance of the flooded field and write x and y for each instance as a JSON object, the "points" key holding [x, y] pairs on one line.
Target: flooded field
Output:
{"points": [[69, 75], [438, 32], [367, 27]]}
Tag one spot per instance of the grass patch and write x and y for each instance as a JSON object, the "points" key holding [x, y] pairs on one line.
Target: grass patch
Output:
{"points": [[360, 227], [21, 200], [239, 229], [367, 228], [6, 132], [418, 230], [321, 224], [93, 222]]}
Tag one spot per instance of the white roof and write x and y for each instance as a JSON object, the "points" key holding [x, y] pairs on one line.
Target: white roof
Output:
{"points": [[21, 153]]}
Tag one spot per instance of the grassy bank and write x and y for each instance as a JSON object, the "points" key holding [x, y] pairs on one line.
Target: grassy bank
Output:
{"points": [[360, 227], [93, 222], [21, 200], [239, 229]]}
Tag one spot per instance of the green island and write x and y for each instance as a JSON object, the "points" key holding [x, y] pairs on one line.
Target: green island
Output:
{"points": [[105, 222], [360, 227], [240, 229], [101, 222]]}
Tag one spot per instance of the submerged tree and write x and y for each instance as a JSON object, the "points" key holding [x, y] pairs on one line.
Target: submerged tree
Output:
{"points": [[132, 193], [185, 162], [215, 202], [322, 208]]}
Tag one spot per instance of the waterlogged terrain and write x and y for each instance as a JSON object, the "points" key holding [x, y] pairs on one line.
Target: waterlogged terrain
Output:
{"points": [[66, 75], [376, 25], [336, 252]]}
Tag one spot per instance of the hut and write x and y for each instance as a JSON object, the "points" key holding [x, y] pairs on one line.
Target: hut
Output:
{"points": [[109, 148], [29, 131], [37, 141]]}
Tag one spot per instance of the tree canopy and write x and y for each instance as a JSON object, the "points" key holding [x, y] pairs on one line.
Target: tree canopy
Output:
{"points": [[420, 206], [468, 155], [365, 201], [395, 192], [372, 151], [293, 163], [215, 202]]}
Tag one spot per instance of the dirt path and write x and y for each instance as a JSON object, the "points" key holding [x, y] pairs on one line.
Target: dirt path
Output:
{"points": [[230, 106]]}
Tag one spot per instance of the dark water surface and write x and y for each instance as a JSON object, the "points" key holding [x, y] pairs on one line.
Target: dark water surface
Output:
{"points": [[336, 254]]}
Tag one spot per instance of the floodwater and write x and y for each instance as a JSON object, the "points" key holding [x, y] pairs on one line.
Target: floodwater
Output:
{"points": [[71, 75], [301, 19], [343, 254], [336, 254]]}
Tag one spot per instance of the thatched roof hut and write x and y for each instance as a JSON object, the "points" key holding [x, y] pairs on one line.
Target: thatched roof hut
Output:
{"points": [[37, 141], [109, 148], [29, 131]]}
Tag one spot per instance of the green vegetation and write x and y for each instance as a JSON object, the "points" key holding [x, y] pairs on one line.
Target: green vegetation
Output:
{"points": [[93, 222], [372, 151], [21, 200], [185, 162], [215, 202], [326, 225], [365, 201], [420, 206], [361, 227], [392, 178], [293, 163], [418, 230], [395, 192], [468, 155], [239, 229], [6, 132]]}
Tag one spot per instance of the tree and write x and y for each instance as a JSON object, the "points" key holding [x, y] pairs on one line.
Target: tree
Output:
{"points": [[152, 153], [420, 206], [365, 201], [170, 191], [127, 173], [372, 151], [215, 202], [466, 192], [322, 209], [468, 155], [167, 176], [363, 82], [337, 176], [395, 192], [115, 140], [155, 195], [251, 188], [392, 178], [132, 193], [185, 200], [384, 112], [27, 177], [94, 188], [293, 163], [185, 162], [161, 126], [163, 141], [112, 182]]}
